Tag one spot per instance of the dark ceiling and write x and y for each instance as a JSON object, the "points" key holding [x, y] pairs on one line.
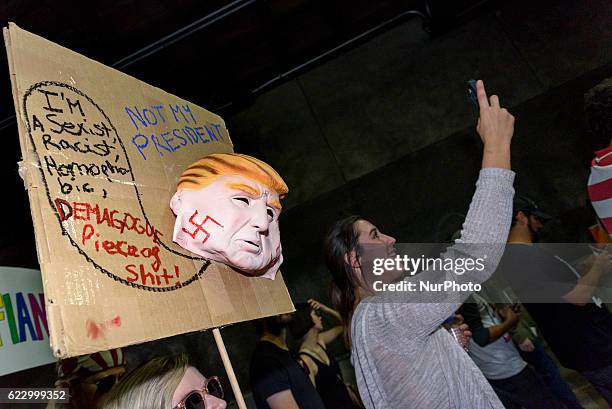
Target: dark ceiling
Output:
{"points": [[218, 54], [215, 52], [209, 52]]}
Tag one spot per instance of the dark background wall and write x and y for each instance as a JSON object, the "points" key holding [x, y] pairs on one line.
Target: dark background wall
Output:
{"points": [[385, 131]]}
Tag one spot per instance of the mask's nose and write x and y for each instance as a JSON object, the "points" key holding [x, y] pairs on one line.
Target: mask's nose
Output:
{"points": [[259, 215]]}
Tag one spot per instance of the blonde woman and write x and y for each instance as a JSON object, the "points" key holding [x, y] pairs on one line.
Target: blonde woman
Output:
{"points": [[166, 383]]}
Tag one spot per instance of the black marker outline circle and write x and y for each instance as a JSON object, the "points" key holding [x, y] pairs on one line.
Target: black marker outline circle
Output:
{"points": [[178, 285]]}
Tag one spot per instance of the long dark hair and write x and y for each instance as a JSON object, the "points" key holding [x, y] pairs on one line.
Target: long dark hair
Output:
{"points": [[340, 241]]}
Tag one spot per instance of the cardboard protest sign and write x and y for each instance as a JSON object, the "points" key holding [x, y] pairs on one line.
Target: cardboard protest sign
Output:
{"points": [[102, 153], [24, 333]]}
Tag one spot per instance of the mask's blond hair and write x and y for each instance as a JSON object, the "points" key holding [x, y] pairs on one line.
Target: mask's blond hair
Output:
{"points": [[150, 386], [206, 170]]}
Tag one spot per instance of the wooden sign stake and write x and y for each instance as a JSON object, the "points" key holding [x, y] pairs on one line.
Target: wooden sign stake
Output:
{"points": [[229, 369]]}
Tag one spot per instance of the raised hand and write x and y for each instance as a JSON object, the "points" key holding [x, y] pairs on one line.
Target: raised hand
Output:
{"points": [[495, 127], [316, 305], [320, 307]]}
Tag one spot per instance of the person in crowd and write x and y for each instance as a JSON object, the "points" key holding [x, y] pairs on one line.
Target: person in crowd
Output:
{"points": [[524, 335], [526, 338], [492, 349], [598, 109], [402, 356], [278, 381], [166, 382], [578, 331], [89, 378], [324, 369]]}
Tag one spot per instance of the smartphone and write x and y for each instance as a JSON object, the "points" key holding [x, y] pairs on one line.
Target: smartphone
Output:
{"points": [[471, 92]]}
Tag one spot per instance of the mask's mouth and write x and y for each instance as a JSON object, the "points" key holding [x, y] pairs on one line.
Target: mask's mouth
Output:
{"points": [[252, 246], [252, 243]]}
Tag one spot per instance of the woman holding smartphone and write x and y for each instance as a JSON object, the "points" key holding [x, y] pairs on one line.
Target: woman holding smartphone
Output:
{"points": [[402, 357]]}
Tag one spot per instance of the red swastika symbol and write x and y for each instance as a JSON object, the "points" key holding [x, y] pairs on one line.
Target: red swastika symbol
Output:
{"points": [[200, 227]]}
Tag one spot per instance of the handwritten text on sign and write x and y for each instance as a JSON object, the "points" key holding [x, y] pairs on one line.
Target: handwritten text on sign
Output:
{"points": [[188, 133], [91, 187]]}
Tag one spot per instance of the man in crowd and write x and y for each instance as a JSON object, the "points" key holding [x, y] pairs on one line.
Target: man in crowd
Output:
{"points": [[578, 331], [598, 109], [492, 349], [526, 338], [277, 380]]}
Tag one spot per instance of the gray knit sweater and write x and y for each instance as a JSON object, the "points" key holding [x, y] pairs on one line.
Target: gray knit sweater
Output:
{"points": [[401, 359]]}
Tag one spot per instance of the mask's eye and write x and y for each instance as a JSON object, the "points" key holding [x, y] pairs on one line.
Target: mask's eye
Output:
{"points": [[241, 201], [270, 214]]}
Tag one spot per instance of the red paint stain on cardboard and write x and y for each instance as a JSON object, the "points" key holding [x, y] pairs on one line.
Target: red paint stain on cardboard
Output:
{"points": [[98, 330]]}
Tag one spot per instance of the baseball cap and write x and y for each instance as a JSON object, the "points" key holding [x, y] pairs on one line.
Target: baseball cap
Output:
{"points": [[527, 205]]}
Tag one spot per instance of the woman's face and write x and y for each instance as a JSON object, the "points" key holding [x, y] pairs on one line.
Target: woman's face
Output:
{"points": [[317, 321], [369, 235], [373, 244], [193, 380]]}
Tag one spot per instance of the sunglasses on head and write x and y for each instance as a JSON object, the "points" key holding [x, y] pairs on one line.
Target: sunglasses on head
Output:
{"points": [[195, 399]]}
